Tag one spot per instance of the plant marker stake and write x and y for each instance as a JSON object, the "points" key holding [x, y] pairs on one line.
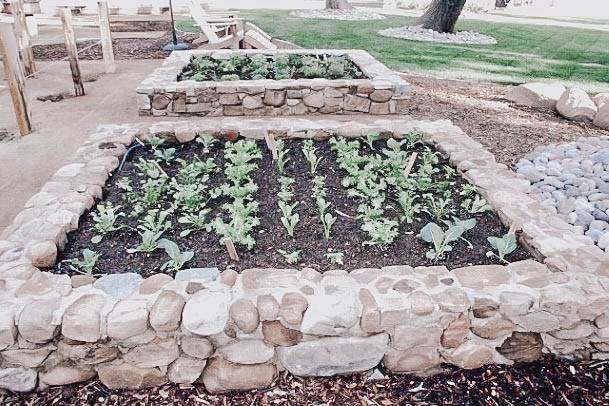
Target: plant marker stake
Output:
{"points": [[410, 165], [230, 247], [271, 145]]}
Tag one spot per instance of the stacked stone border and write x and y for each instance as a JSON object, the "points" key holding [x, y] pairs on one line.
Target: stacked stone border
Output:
{"points": [[237, 331], [382, 92]]}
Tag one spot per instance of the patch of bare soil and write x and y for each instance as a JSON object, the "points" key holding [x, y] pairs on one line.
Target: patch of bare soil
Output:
{"points": [[479, 109], [549, 381]]}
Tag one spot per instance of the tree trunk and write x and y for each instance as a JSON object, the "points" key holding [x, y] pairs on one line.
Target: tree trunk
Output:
{"points": [[442, 15], [501, 3], [338, 5]]}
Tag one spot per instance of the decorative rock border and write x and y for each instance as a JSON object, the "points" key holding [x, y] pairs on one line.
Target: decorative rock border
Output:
{"points": [[384, 92], [237, 331], [417, 33]]}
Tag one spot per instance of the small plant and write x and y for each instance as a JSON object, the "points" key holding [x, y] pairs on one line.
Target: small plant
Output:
{"points": [[177, 258], [380, 231], [289, 219], [207, 142], [476, 205], [438, 208], [440, 239], [412, 139], [410, 209], [195, 222], [328, 221], [371, 137], [290, 257], [167, 154], [156, 221], [150, 242], [105, 219], [86, 265], [155, 142], [308, 151], [503, 245], [336, 258], [282, 158]]}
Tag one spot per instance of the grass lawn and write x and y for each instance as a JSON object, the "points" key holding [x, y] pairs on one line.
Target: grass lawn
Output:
{"points": [[523, 53]]}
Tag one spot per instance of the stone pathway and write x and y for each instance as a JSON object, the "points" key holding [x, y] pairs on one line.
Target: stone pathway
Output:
{"points": [[574, 178]]}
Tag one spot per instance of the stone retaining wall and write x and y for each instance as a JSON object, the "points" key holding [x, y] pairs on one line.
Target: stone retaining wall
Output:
{"points": [[235, 332], [382, 92]]}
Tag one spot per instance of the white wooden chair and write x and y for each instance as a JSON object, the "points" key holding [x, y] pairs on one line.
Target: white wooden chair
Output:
{"points": [[220, 30]]}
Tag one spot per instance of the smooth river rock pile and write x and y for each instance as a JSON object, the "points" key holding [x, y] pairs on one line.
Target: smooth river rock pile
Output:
{"points": [[574, 178], [416, 33]]}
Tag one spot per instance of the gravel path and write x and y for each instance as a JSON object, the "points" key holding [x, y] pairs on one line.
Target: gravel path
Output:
{"points": [[574, 178]]}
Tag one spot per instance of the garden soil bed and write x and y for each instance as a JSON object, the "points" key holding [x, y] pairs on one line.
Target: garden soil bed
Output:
{"points": [[549, 381], [407, 249]]}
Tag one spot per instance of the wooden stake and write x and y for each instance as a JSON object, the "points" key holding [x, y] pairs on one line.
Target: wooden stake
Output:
{"points": [[68, 33], [23, 37], [14, 75], [106, 37], [230, 247], [271, 145], [410, 165]]}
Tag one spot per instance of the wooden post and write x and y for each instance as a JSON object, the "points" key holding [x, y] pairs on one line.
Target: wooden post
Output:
{"points": [[23, 37], [14, 75], [410, 164], [230, 247], [106, 37], [68, 33], [271, 144]]}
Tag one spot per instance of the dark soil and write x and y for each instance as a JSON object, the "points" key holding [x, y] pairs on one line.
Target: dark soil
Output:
{"points": [[549, 381], [270, 236]]}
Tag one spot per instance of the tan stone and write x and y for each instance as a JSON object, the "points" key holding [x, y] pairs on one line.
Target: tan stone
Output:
{"points": [[260, 278], [470, 356], [275, 333], [43, 254], [481, 276], [515, 303], [160, 352], [245, 315], [484, 308], [229, 277], [371, 316], [537, 322], [456, 333], [292, 307], [331, 314], [406, 337], [221, 376], [522, 347], [66, 375], [197, 347], [128, 318], [166, 313], [275, 98], [233, 110], [365, 88], [213, 320], [126, 376], [82, 280], [229, 99], [82, 319], [381, 96], [154, 283], [561, 300], [355, 103], [160, 102], [253, 102], [536, 94], [406, 286], [86, 354], [494, 329], [8, 329], [315, 100], [247, 352], [594, 308], [268, 307], [18, 379], [602, 117], [36, 321], [383, 284], [27, 358], [186, 370], [575, 104], [412, 361], [329, 356], [421, 303], [580, 330], [453, 300]]}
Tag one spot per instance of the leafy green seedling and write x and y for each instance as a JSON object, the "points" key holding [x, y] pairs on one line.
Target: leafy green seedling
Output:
{"points": [[503, 245], [105, 219], [371, 137], [336, 258], [328, 221], [150, 242], [290, 257], [195, 222], [167, 154], [155, 142], [86, 265], [441, 239], [289, 219], [308, 150], [282, 158], [207, 142], [476, 205], [177, 258]]}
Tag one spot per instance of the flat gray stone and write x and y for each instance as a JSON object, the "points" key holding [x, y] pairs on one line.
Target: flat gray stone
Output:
{"points": [[206, 274], [119, 286]]}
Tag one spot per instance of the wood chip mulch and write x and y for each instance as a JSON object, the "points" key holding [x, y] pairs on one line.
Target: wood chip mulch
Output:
{"points": [[549, 381]]}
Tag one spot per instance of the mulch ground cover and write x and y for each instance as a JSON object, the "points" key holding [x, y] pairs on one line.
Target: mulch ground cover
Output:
{"points": [[346, 234], [549, 381]]}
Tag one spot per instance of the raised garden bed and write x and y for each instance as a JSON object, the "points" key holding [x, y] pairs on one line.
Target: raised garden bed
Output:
{"points": [[326, 204], [236, 330], [272, 83]]}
